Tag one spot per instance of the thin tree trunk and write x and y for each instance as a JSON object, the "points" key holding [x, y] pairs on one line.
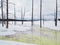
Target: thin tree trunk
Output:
{"points": [[32, 12], [40, 13], [2, 12], [56, 14], [14, 14], [24, 15], [21, 16], [7, 13]]}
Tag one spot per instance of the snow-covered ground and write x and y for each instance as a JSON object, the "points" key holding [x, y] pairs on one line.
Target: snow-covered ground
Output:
{"points": [[4, 31], [26, 26], [46, 24], [12, 29], [2, 42], [49, 24]]}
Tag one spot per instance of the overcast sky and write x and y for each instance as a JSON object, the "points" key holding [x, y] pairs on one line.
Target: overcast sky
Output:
{"points": [[48, 6]]}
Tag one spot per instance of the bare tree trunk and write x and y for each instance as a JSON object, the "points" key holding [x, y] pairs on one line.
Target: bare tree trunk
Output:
{"points": [[56, 14], [24, 14], [40, 13], [14, 14], [21, 16], [7, 13], [32, 11], [2, 12]]}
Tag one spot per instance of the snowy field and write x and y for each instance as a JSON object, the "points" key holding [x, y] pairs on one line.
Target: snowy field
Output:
{"points": [[26, 26], [46, 24]]}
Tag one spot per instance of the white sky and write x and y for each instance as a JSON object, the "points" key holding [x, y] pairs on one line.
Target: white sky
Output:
{"points": [[48, 6]]}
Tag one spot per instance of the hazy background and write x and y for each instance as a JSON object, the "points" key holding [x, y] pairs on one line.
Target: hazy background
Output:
{"points": [[48, 10]]}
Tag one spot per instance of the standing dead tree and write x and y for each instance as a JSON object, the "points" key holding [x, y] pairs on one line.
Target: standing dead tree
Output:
{"points": [[56, 14], [40, 13], [2, 12], [7, 12]]}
